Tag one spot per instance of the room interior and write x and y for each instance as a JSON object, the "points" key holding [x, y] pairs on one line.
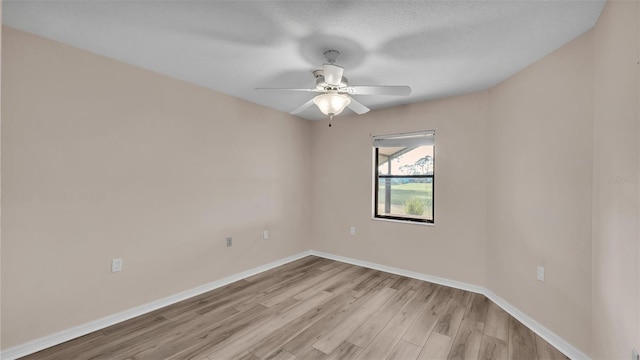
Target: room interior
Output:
{"points": [[102, 159]]}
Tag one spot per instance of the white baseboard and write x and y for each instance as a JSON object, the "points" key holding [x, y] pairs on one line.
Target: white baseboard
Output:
{"points": [[546, 334], [77, 331], [66, 335]]}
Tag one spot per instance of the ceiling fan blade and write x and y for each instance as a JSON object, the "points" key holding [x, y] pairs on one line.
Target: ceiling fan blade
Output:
{"points": [[332, 74], [357, 107], [288, 89], [379, 90], [302, 107]]}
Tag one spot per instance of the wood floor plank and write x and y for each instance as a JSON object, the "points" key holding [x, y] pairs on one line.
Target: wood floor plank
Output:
{"points": [[135, 325], [276, 289], [466, 344], [310, 335], [223, 333], [346, 350], [67, 349], [415, 283], [328, 265], [281, 354], [334, 275], [192, 343], [497, 323], [294, 267], [367, 331], [450, 320], [421, 329], [276, 340], [199, 357], [333, 338], [267, 326], [446, 290], [478, 308], [181, 333], [361, 275], [522, 343], [245, 356], [426, 291], [374, 280], [312, 353], [202, 340], [493, 349], [178, 309], [246, 297], [138, 342], [390, 335], [230, 294], [347, 311], [118, 337], [546, 351], [405, 350], [436, 347], [459, 293], [309, 287], [386, 340], [399, 282]]}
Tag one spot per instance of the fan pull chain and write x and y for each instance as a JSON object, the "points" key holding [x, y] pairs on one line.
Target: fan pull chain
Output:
{"points": [[330, 120]]}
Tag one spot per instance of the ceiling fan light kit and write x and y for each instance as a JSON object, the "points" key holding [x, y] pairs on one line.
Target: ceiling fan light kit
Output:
{"points": [[331, 103]]}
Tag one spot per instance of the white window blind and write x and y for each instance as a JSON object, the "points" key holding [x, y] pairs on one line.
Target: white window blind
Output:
{"points": [[423, 138]]}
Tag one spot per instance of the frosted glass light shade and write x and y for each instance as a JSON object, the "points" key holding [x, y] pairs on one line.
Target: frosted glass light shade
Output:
{"points": [[331, 103]]}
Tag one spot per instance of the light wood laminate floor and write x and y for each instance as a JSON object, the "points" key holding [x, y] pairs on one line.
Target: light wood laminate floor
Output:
{"points": [[316, 308]]}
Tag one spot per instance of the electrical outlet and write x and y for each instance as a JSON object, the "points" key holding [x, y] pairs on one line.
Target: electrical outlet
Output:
{"points": [[116, 265], [540, 273], [265, 234], [635, 355], [352, 231], [229, 241]]}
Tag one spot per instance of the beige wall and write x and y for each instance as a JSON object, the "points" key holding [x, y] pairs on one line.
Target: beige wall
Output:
{"points": [[342, 171], [616, 242], [540, 145], [103, 160]]}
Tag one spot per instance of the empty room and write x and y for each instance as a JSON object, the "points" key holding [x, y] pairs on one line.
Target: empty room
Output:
{"points": [[371, 180]]}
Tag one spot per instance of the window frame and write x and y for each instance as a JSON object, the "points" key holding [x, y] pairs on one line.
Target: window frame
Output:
{"points": [[377, 177]]}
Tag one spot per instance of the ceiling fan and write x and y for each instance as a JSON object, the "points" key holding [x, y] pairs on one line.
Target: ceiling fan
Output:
{"points": [[334, 90]]}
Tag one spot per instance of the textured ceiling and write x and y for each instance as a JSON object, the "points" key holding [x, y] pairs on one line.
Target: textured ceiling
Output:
{"points": [[439, 48]]}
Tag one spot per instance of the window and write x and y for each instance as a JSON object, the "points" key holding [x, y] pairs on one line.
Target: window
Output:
{"points": [[403, 176]]}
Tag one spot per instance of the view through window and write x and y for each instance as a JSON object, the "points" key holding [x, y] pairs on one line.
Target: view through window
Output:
{"points": [[404, 177]]}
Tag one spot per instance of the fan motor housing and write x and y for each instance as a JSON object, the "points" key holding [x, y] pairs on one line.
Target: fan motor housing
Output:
{"points": [[322, 85]]}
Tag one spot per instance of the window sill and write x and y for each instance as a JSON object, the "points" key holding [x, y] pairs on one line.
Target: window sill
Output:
{"points": [[409, 222]]}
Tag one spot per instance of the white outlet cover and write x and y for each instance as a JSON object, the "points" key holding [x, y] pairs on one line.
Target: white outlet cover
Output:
{"points": [[352, 230], [116, 265], [540, 273]]}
